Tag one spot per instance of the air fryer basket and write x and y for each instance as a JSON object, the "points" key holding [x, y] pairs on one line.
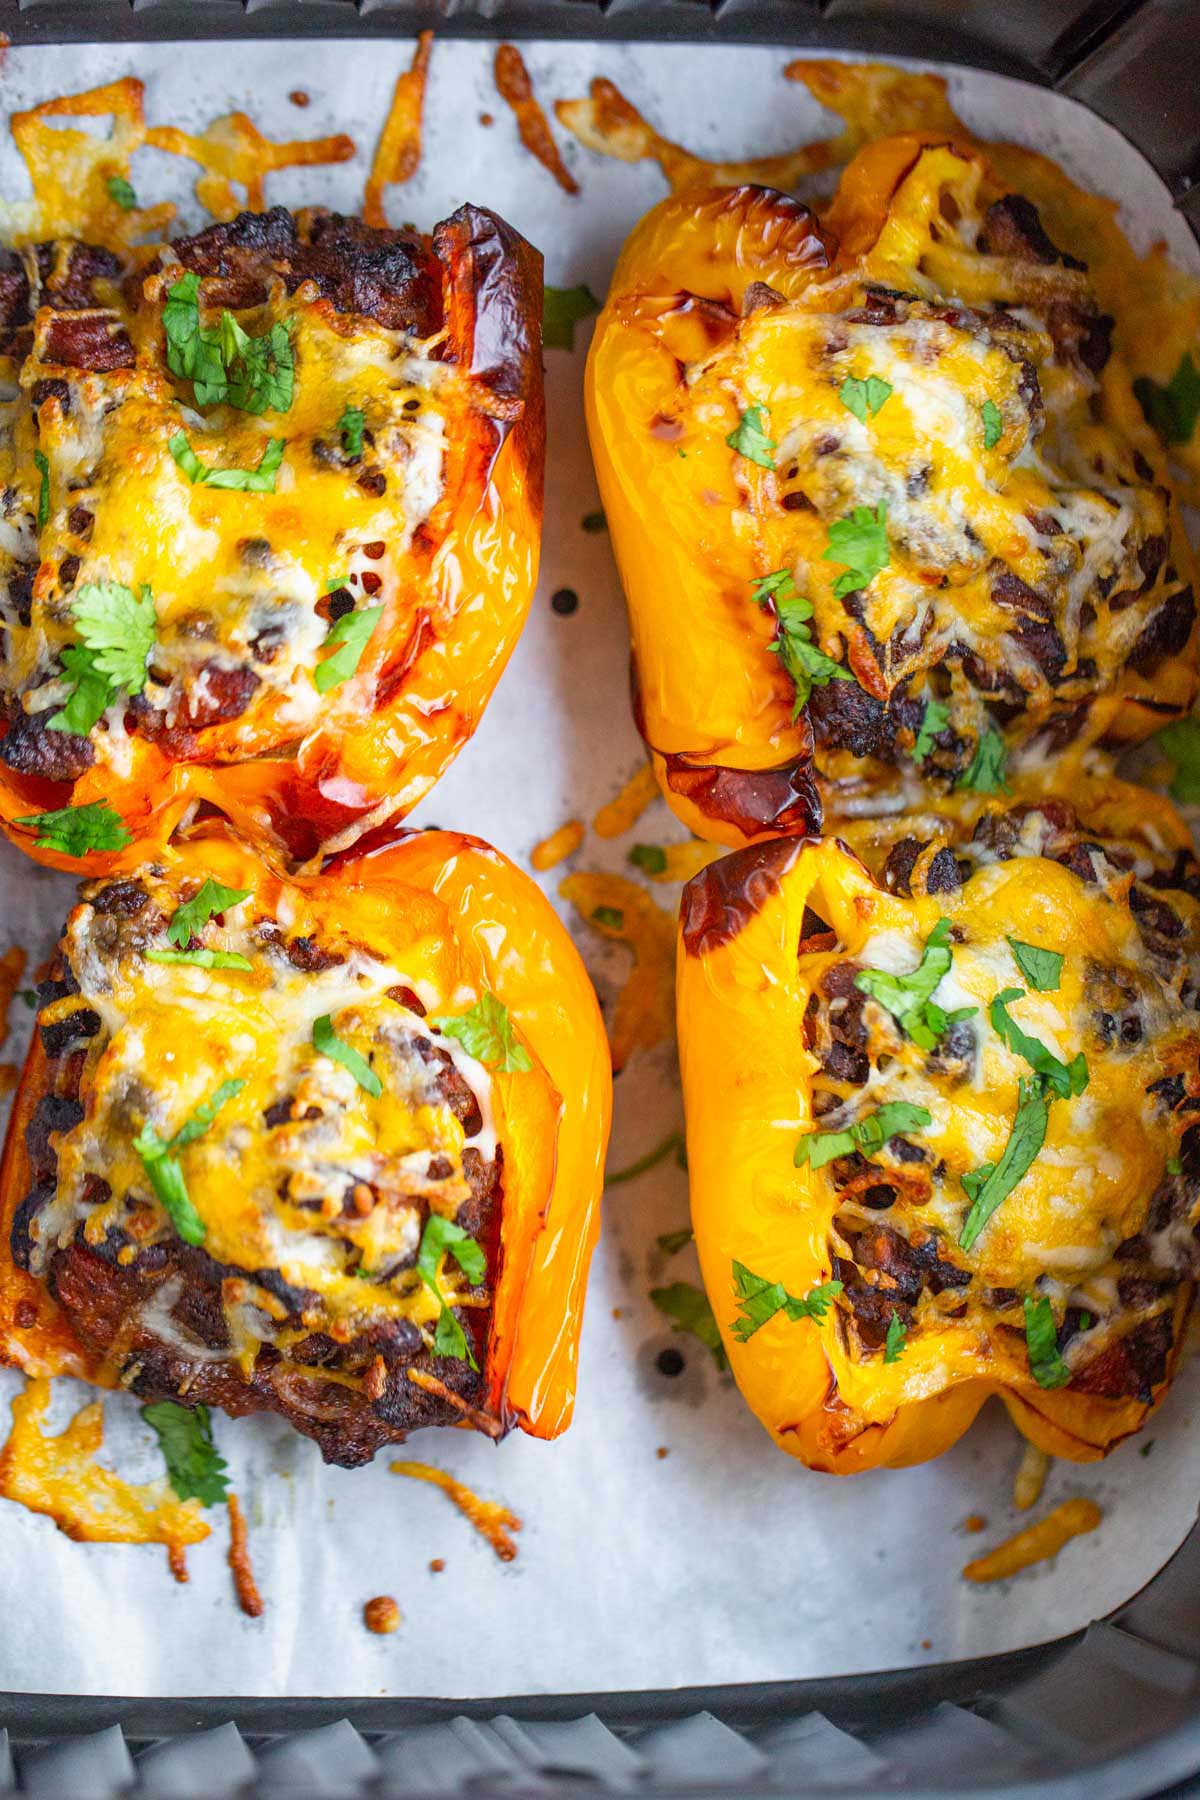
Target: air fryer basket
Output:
{"points": [[1110, 1713]]}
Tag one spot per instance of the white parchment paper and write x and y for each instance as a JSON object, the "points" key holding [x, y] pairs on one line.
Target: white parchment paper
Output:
{"points": [[723, 1560]]}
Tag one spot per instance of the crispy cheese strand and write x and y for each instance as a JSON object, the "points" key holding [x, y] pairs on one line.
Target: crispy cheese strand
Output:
{"points": [[1037, 1543]]}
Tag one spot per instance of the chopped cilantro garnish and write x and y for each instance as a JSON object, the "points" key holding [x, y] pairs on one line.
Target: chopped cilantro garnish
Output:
{"points": [[1174, 1166], [987, 1186], [245, 481], [651, 857], [486, 1033], [120, 628], [121, 192], [193, 353], [1174, 409], [1042, 969], [166, 1172], [934, 719], [188, 920], [1041, 1342], [442, 1237], [351, 426], [860, 541], [194, 1469], [611, 916], [750, 439], [988, 768], [202, 959], [864, 398], [327, 1043], [90, 693], [651, 1159], [74, 830], [909, 998], [350, 634], [759, 1300], [867, 1134], [807, 665], [562, 310], [689, 1310], [43, 505], [894, 1344], [993, 424], [255, 374], [1066, 1080], [1180, 742]]}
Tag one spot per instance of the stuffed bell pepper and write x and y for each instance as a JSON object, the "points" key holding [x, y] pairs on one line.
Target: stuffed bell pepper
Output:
{"points": [[271, 506], [941, 1123], [889, 517], [328, 1147]]}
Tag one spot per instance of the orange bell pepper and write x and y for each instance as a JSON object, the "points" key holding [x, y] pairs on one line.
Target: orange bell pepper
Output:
{"points": [[897, 1213], [461, 923], [845, 491], [298, 774]]}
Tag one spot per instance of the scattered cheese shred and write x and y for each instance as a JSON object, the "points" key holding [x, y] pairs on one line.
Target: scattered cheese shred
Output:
{"points": [[645, 1011], [233, 150], [1030, 1478], [1037, 1543], [70, 170], [626, 808], [491, 1520], [59, 1476], [558, 846], [244, 1583], [398, 152], [513, 84]]}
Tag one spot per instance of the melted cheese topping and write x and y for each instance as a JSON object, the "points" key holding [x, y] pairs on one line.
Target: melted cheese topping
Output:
{"points": [[238, 579], [302, 1172]]}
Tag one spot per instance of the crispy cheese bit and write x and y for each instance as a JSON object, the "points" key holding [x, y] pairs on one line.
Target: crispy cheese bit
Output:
{"points": [[875, 100], [245, 1586], [381, 1615], [1030, 1478], [233, 150], [558, 846], [398, 152], [513, 84], [491, 1520], [1037, 1543], [623, 811], [70, 170], [12, 967], [645, 1011], [60, 1477]]}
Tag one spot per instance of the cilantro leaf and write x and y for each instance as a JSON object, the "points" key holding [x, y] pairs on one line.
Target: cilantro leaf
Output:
{"points": [[352, 632], [192, 353], [562, 310], [486, 1033], [1066, 1080], [90, 692], [672, 1242], [611, 916], [205, 1114], [760, 1299], [909, 998], [43, 505], [184, 1433], [651, 857], [864, 398], [255, 374], [934, 720], [1042, 969], [246, 481], [988, 768], [750, 439], [74, 830], [894, 1345], [442, 1237], [1174, 409], [807, 665], [1180, 741], [202, 959], [1041, 1343], [120, 628], [988, 1186], [350, 427], [121, 192], [188, 920], [651, 1160], [688, 1308], [860, 541], [164, 1169], [993, 424], [868, 1134], [327, 1043]]}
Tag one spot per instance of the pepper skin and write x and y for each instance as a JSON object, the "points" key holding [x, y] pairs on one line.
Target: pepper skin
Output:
{"points": [[777, 1043], [429, 509], [780, 685], [459, 921]]}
